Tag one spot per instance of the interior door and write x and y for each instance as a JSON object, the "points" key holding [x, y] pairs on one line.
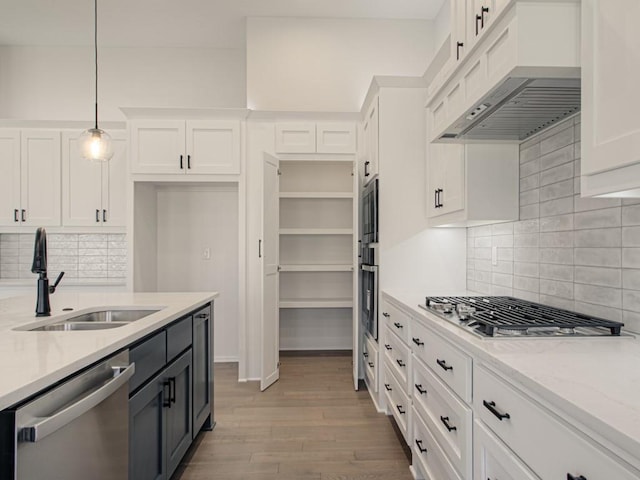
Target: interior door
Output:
{"points": [[268, 250]]}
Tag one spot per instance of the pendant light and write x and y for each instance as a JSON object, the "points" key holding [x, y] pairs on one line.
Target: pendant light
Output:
{"points": [[96, 144]]}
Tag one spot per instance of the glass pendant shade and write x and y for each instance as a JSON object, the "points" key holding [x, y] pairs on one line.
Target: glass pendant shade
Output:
{"points": [[96, 144]]}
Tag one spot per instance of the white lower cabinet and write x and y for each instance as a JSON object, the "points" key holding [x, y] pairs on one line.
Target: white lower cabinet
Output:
{"points": [[463, 421], [493, 460], [551, 448], [429, 460], [370, 359]]}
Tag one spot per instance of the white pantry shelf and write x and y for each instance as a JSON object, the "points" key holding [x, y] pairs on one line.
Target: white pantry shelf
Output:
{"points": [[316, 195], [316, 231], [316, 268], [316, 303]]}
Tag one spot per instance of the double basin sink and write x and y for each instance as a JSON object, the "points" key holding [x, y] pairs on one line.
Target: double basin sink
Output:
{"points": [[98, 320]]}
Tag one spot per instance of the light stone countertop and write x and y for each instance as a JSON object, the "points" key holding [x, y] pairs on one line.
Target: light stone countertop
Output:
{"points": [[31, 361], [594, 381]]}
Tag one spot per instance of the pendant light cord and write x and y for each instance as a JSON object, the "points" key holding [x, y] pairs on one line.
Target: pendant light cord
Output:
{"points": [[95, 44]]}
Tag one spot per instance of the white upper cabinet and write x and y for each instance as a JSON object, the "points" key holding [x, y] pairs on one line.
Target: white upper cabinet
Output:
{"points": [[94, 193], [610, 102], [472, 184], [371, 129], [479, 15], [311, 137], [30, 178], [179, 146], [459, 44]]}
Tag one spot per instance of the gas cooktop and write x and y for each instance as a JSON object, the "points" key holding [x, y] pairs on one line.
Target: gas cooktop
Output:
{"points": [[508, 317]]}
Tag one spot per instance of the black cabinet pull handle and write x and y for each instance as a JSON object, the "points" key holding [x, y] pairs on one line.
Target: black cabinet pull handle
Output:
{"points": [[420, 447], [166, 398], [458, 46], [440, 204], [366, 168], [399, 407], [478, 20], [435, 198], [579, 477], [398, 325], [387, 387], [388, 347], [15, 215], [482, 13], [189, 162], [260, 248], [385, 315], [445, 422], [202, 315], [365, 354], [421, 390], [491, 406], [371, 364], [400, 362], [172, 382], [104, 215], [443, 364], [417, 341], [23, 215], [181, 165], [97, 215]]}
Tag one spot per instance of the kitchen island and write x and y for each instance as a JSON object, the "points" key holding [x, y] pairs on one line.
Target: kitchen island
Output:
{"points": [[31, 361]]}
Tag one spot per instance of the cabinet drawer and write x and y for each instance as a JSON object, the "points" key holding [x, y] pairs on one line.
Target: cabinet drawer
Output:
{"points": [[370, 357], [397, 357], [451, 365], [398, 403], [397, 321], [149, 356], [179, 337], [427, 455], [549, 447], [492, 459], [449, 420]]}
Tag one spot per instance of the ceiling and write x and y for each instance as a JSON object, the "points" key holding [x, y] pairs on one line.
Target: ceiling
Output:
{"points": [[177, 23]]}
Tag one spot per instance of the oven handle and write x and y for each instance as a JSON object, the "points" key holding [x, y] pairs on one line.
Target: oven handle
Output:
{"points": [[49, 425], [369, 268]]}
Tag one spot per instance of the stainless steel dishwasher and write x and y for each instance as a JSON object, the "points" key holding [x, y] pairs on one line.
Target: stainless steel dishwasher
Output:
{"points": [[77, 430]]}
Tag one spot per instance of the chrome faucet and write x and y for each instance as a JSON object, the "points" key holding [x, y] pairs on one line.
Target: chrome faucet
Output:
{"points": [[39, 266]]}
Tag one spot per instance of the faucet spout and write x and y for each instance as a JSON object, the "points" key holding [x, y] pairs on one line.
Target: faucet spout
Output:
{"points": [[39, 266]]}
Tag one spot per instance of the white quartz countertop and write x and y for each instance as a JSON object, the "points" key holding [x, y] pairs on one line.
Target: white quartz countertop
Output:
{"points": [[594, 381], [31, 361]]}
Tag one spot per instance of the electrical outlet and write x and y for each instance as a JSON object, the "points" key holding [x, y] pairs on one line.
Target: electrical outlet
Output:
{"points": [[206, 253]]}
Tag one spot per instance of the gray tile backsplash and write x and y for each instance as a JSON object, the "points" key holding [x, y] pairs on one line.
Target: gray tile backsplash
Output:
{"points": [[80, 256], [567, 251]]}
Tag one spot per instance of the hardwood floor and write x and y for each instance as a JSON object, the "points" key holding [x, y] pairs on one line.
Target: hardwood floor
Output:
{"points": [[310, 425]]}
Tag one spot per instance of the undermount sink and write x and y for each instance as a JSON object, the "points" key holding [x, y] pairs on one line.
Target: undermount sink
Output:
{"points": [[98, 320]]}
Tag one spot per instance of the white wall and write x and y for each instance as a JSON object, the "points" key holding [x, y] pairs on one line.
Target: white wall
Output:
{"points": [[56, 83], [297, 64], [191, 219], [442, 25], [431, 262]]}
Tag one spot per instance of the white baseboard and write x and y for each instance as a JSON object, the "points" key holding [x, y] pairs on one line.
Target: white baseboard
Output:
{"points": [[217, 359]]}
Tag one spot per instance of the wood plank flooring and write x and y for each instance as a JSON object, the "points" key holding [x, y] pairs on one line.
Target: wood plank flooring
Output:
{"points": [[310, 425]]}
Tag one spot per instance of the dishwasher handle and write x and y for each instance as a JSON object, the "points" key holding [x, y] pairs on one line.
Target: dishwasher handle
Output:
{"points": [[49, 425]]}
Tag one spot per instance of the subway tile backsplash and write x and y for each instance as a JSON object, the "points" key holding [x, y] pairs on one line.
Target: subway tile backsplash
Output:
{"points": [[571, 252], [80, 256]]}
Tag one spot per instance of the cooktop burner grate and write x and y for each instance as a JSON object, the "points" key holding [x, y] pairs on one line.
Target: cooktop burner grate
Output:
{"points": [[502, 314]]}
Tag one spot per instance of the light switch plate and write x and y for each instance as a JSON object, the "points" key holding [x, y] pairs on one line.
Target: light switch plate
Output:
{"points": [[494, 255]]}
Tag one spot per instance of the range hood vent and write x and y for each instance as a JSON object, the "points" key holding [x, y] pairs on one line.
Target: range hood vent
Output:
{"points": [[517, 109]]}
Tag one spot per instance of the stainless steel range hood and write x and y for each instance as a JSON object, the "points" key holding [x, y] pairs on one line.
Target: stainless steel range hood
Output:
{"points": [[517, 109]]}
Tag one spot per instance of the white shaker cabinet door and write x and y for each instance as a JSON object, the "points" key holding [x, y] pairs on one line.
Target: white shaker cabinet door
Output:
{"points": [[40, 177], [610, 79], [9, 178], [213, 146], [114, 184], [158, 146], [81, 184]]}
